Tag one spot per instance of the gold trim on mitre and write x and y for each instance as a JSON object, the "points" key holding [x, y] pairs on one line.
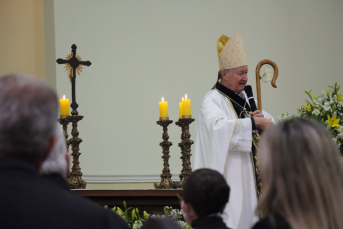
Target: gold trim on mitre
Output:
{"points": [[231, 52]]}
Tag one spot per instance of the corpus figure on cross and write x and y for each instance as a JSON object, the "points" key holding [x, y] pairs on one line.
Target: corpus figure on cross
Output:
{"points": [[73, 63]]}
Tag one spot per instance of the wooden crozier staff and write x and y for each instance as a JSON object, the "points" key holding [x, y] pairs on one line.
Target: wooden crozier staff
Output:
{"points": [[258, 77], [256, 136]]}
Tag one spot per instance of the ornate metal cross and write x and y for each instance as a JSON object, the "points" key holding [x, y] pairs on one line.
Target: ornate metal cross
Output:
{"points": [[73, 64]]}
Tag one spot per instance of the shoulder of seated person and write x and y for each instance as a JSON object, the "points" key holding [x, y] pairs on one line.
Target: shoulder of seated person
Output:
{"points": [[273, 222]]}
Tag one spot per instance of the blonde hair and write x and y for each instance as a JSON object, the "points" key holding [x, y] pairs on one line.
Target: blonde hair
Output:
{"points": [[302, 175]]}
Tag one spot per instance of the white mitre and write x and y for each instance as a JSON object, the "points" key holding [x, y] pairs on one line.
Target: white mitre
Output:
{"points": [[231, 52]]}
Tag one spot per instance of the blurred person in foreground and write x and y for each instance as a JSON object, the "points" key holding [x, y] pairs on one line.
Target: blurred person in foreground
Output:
{"points": [[27, 134], [302, 177], [205, 195]]}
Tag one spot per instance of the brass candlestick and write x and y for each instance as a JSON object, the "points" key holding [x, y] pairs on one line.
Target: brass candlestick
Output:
{"points": [[185, 146], [75, 179], [64, 121], [166, 182]]}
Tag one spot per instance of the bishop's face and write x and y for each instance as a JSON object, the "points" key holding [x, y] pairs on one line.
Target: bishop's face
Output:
{"points": [[236, 80]]}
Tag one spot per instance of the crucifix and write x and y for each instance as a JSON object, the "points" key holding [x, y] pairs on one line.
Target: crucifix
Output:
{"points": [[73, 64]]}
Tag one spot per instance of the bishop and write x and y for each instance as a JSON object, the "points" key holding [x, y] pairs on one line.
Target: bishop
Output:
{"points": [[226, 132]]}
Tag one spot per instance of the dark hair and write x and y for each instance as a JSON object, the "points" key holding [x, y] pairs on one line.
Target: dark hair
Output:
{"points": [[207, 191]]}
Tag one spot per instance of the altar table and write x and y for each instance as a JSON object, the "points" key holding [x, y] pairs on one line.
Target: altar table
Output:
{"points": [[150, 200]]}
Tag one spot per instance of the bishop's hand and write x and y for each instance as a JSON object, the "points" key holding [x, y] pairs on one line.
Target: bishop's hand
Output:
{"points": [[256, 113], [262, 123]]}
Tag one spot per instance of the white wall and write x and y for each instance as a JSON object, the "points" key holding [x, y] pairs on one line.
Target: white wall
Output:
{"points": [[143, 50]]}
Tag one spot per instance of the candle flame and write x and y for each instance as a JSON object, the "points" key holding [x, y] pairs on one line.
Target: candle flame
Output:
{"points": [[186, 96], [64, 96], [162, 99]]}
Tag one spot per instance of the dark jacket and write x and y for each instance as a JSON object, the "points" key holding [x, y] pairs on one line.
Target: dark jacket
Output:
{"points": [[214, 222], [28, 200], [272, 222]]}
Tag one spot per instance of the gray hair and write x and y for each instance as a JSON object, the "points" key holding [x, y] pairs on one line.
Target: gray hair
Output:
{"points": [[220, 75], [229, 70], [28, 115], [56, 161]]}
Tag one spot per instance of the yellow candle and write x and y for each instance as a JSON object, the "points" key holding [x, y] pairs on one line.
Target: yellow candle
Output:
{"points": [[163, 108], [180, 109], [64, 103], [186, 106]]}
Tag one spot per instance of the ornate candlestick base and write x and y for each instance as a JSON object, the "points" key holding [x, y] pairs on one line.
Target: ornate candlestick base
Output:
{"points": [[166, 182], [185, 146], [75, 178], [64, 121]]}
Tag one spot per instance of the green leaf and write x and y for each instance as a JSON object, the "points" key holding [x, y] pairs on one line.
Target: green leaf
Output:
{"points": [[114, 208], [124, 203], [339, 86], [315, 97], [328, 93], [126, 213], [309, 94], [335, 91], [128, 209], [146, 216], [323, 112], [133, 214], [137, 213], [165, 209]]}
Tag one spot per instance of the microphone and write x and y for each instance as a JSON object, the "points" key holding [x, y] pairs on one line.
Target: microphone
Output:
{"points": [[248, 91]]}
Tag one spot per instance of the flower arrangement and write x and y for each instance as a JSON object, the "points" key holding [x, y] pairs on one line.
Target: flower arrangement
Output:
{"points": [[327, 108], [134, 221]]}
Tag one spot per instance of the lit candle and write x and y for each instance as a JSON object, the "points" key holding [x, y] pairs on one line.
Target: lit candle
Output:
{"points": [[186, 107], [163, 108], [180, 109], [64, 103]]}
